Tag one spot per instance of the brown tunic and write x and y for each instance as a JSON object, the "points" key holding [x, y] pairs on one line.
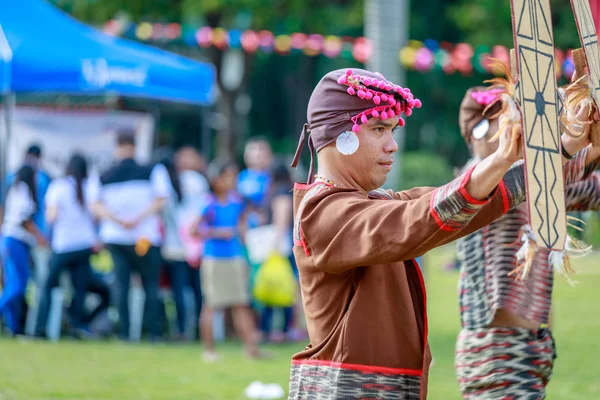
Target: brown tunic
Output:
{"points": [[363, 293]]}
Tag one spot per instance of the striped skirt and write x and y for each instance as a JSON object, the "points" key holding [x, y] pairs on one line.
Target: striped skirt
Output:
{"points": [[504, 363]]}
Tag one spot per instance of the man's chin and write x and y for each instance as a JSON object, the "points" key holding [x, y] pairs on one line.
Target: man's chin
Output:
{"points": [[379, 182]]}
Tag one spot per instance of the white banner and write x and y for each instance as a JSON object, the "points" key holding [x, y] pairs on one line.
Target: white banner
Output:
{"points": [[61, 133]]}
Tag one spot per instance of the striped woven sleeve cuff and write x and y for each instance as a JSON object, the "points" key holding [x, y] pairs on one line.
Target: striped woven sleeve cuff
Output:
{"points": [[575, 169], [452, 207], [512, 187], [584, 195]]}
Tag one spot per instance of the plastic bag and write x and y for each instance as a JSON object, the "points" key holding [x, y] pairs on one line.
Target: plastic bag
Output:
{"points": [[275, 284]]}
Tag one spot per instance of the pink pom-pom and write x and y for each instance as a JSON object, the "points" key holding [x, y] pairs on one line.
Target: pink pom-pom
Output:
{"points": [[348, 72], [408, 112], [388, 86], [366, 82], [355, 128], [411, 103], [392, 102], [342, 80], [351, 91], [374, 82], [401, 121], [390, 113], [381, 85], [376, 99], [383, 115], [384, 97], [418, 103], [364, 119], [375, 114], [361, 93], [398, 108], [369, 96]]}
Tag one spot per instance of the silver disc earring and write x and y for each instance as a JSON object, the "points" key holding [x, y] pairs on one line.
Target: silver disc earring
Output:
{"points": [[347, 143], [481, 129]]}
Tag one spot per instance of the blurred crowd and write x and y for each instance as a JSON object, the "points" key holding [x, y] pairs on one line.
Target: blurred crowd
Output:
{"points": [[94, 254]]}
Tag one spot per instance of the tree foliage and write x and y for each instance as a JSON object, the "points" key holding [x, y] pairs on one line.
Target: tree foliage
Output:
{"points": [[281, 85]]}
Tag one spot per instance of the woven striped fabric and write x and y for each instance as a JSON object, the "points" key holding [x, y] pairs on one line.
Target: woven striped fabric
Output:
{"points": [[452, 207], [504, 363], [329, 381], [487, 256], [584, 195]]}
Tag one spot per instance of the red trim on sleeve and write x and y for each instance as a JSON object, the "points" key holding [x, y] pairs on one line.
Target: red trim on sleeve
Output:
{"points": [[425, 323], [504, 193], [465, 194], [435, 215]]}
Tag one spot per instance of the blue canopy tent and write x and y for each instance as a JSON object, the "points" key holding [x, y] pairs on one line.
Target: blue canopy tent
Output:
{"points": [[5, 65], [54, 53], [5, 62]]}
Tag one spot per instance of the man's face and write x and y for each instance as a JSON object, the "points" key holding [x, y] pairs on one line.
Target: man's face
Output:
{"points": [[125, 151], [371, 163], [482, 148], [188, 158], [258, 155], [227, 180]]}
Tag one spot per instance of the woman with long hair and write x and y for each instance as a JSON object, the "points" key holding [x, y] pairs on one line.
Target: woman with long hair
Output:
{"points": [[73, 242], [20, 234]]}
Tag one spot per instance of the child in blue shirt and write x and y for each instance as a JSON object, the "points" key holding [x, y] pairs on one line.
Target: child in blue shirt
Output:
{"points": [[224, 271]]}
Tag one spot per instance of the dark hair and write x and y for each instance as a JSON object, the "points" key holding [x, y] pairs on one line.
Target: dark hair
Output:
{"points": [[34, 150], [125, 137], [173, 175], [26, 174], [77, 168], [216, 169]]}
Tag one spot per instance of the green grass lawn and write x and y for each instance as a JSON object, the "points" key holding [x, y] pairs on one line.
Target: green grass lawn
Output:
{"points": [[76, 370]]}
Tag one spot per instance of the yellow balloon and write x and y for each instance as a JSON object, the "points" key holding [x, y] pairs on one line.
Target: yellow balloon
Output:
{"points": [[408, 56], [144, 31], [283, 43]]}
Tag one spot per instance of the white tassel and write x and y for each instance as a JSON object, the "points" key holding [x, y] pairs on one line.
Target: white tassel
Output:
{"points": [[576, 248], [526, 253], [560, 260]]}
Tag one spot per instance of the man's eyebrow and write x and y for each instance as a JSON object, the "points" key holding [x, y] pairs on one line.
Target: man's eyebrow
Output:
{"points": [[384, 124]]}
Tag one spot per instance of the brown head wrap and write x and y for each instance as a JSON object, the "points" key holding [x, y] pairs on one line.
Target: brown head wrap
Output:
{"points": [[471, 112], [345, 99]]}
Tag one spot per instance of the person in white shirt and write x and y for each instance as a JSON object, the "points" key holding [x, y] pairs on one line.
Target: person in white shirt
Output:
{"points": [[73, 242], [20, 234], [128, 199], [183, 206]]}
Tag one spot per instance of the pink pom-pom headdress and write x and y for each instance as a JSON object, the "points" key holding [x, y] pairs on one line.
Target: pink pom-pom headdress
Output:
{"points": [[389, 99]]}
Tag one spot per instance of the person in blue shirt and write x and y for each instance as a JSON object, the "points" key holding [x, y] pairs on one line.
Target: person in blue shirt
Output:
{"points": [[224, 272], [39, 254], [254, 182]]}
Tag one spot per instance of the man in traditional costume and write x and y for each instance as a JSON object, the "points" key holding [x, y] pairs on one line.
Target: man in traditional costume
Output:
{"points": [[505, 349], [355, 244]]}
